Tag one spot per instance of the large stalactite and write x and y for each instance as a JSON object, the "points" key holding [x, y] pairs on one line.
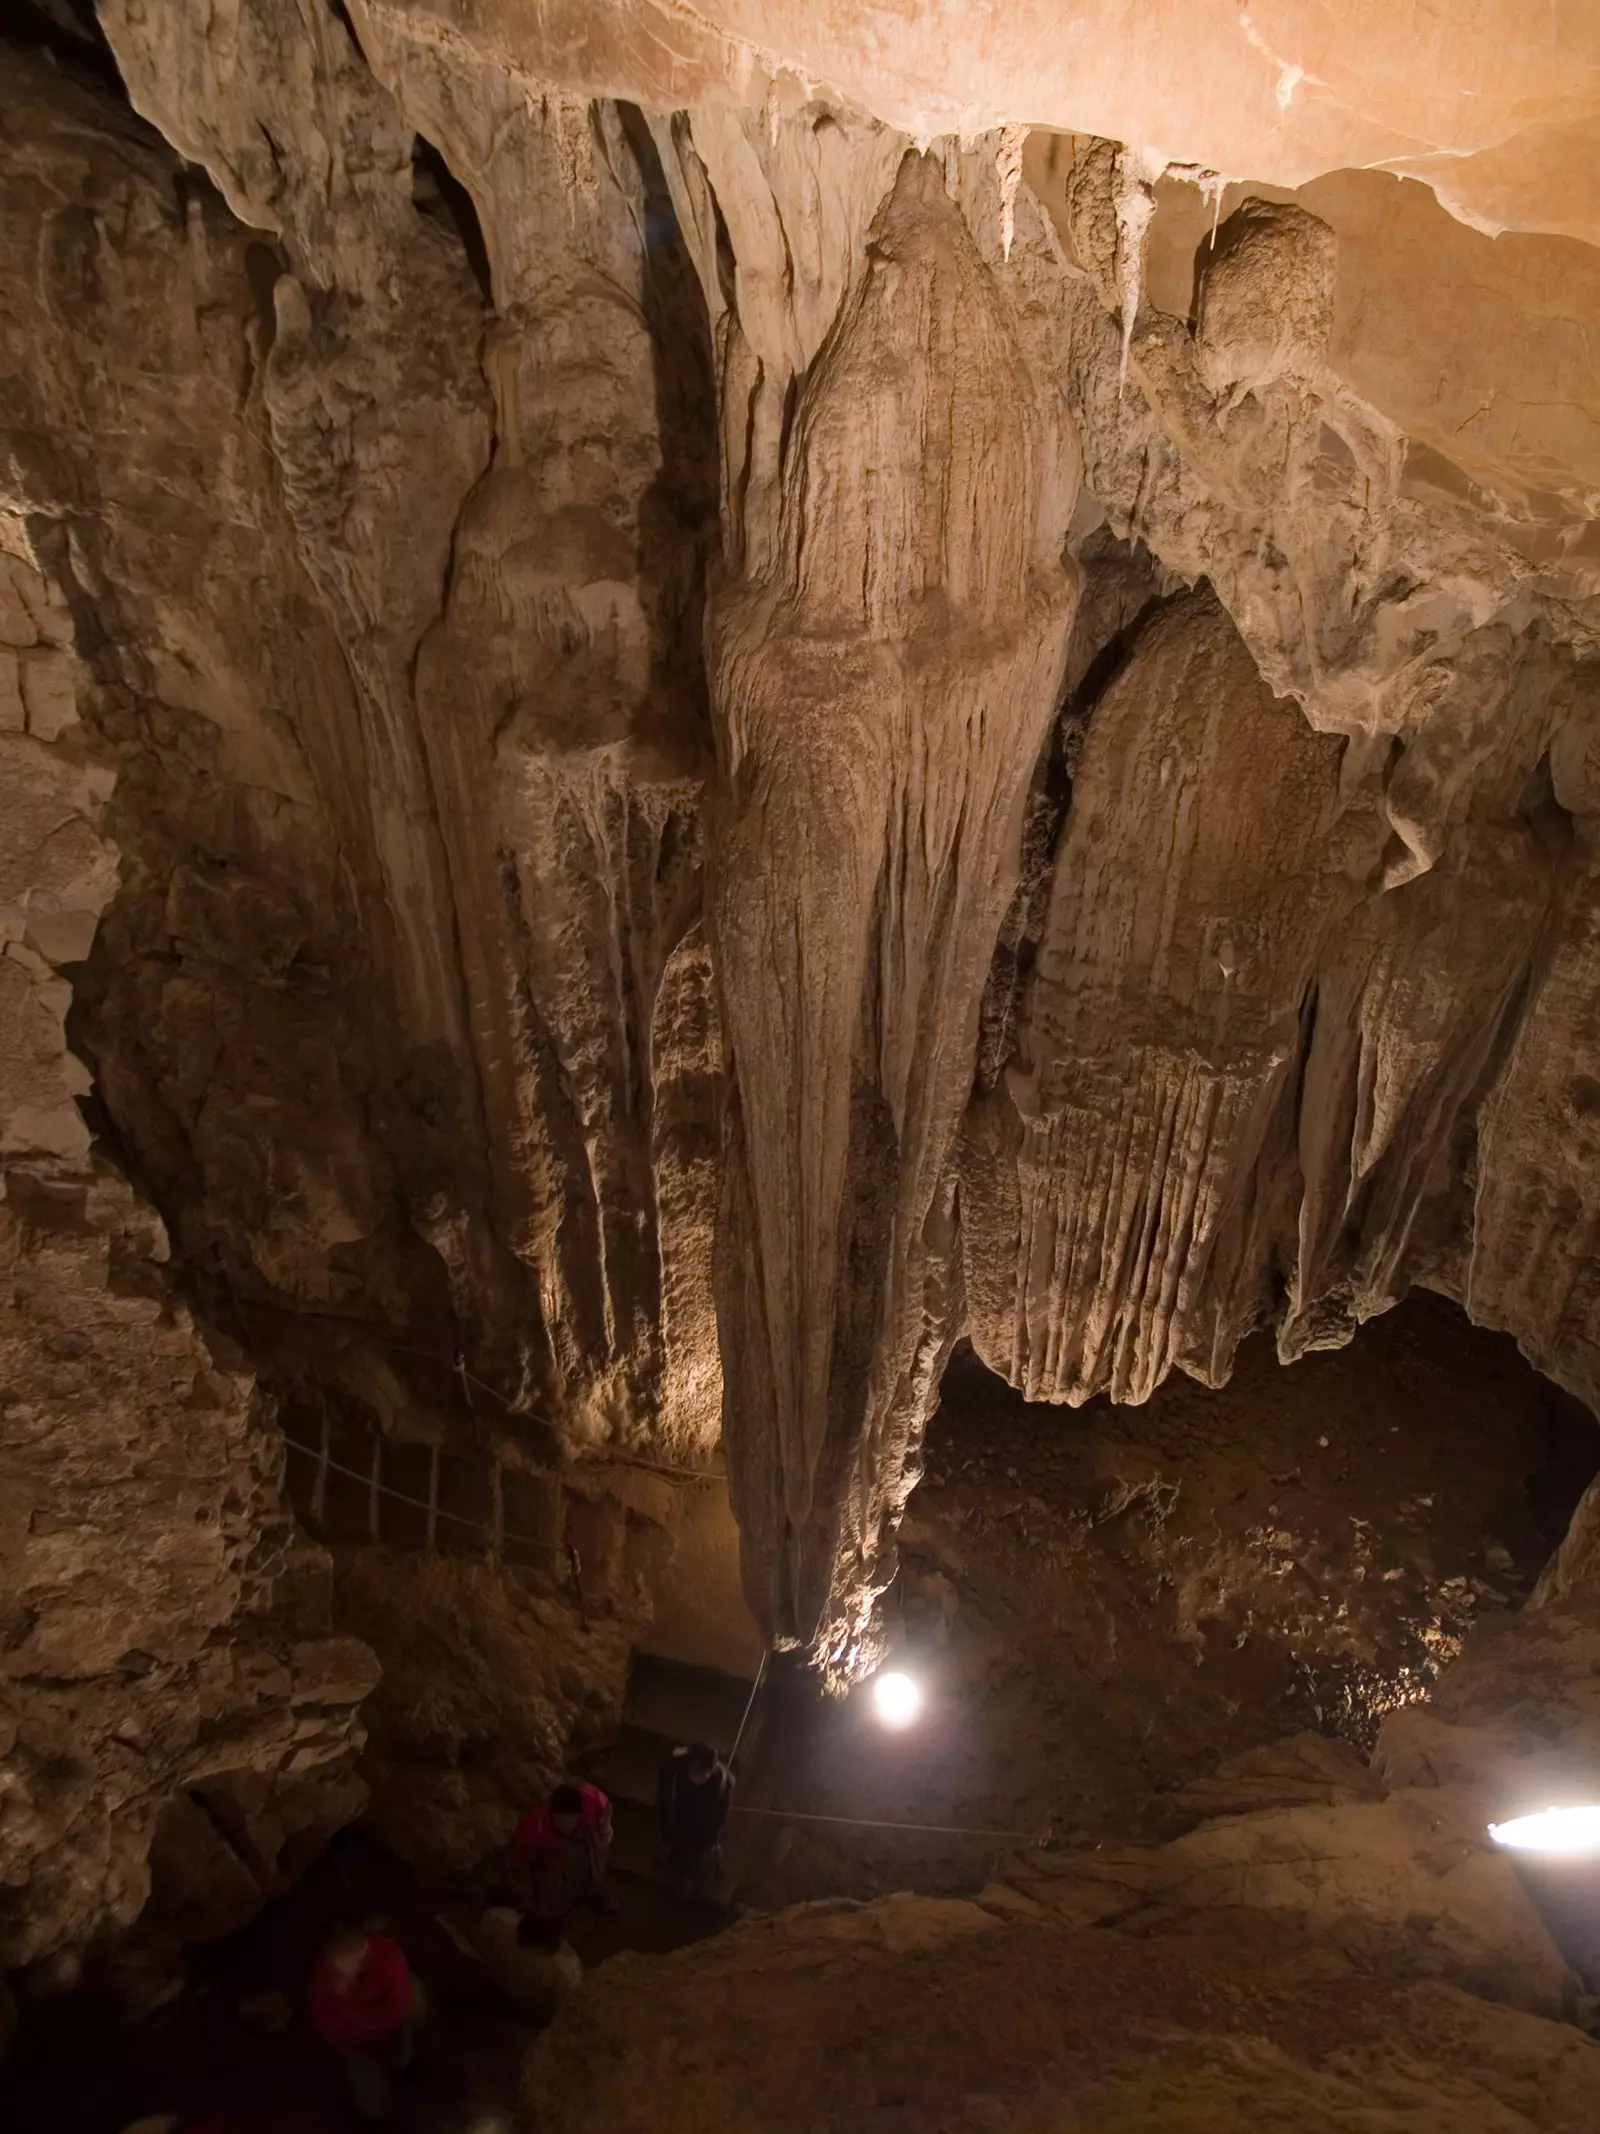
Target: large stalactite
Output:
{"points": [[883, 671]]}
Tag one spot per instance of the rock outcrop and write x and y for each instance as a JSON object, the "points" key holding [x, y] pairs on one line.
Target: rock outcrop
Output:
{"points": [[163, 1624], [960, 2015]]}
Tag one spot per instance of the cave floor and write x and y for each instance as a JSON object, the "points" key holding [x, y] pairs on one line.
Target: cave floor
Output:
{"points": [[1103, 1604], [77, 2070]]}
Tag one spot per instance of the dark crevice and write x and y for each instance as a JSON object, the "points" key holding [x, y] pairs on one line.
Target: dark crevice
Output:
{"points": [[1101, 672], [1549, 821], [1310, 1005], [437, 192], [69, 32], [341, 15], [1124, 589], [727, 271], [678, 516], [264, 266], [193, 183], [232, 1830], [791, 403]]}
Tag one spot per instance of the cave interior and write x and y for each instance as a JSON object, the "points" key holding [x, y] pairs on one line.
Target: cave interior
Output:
{"points": [[798, 885]]}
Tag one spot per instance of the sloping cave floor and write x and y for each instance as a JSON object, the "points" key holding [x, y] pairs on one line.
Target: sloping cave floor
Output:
{"points": [[1100, 1605], [1104, 1604], [205, 2055]]}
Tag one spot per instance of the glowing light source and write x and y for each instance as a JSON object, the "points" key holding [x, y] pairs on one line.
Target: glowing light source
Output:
{"points": [[897, 1700], [1552, 1830]]}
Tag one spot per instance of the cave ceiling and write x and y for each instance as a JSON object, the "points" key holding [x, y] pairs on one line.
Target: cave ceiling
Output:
{"points": [[727, 700]]}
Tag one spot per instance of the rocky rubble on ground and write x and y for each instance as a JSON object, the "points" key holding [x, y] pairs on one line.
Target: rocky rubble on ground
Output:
{"points": [[925, 2013], [1318, 1953]]}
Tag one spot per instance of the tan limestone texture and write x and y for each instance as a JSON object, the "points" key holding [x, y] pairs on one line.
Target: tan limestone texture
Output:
{"points": [[960, 2015], [485, 1686], [310, 1117], [751, 723], [163, 1626], [1490, 105]]}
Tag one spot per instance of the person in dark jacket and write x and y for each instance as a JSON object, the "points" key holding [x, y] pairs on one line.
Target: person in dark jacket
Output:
{"points": [[693, 1796]]}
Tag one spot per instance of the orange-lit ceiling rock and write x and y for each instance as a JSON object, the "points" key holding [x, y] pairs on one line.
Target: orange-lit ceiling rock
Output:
{"points": [[1494, 103]]}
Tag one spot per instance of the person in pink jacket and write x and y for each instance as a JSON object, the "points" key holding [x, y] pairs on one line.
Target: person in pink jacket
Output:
{"points": [[366, 2005], [558, 1858]]}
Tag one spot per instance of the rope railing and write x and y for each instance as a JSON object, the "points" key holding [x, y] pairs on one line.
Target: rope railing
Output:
{"points": [[419, 1504], [863, 1822], [558, 1549], [749, 1706], [456, 1362]]}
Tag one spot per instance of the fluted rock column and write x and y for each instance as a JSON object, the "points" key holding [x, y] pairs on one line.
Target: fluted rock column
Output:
{"points": [[885, 657]]}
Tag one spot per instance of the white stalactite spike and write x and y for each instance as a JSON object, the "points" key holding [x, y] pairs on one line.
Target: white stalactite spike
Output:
{"points": [[1213, 185], [1137, 170], [1008, 169]]}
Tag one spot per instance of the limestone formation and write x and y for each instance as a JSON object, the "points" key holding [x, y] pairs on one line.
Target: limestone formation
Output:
{"points": [[163, 1624], [880, 655], [685, 715], [1497, 117]]}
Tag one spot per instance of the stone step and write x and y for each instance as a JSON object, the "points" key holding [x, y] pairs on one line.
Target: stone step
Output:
{"points": [[628, 1769], [636, 1845], [684, 1703]]}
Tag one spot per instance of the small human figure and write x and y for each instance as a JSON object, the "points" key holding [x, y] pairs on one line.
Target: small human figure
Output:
{"points": [[558, 1859], [527, 1965], [366, 2006], [693, 1796]]}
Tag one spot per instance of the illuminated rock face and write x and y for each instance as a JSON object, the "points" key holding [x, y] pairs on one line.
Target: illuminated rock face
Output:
{"points": [[164, 1625], [1495, 112], [883, 669], [737, 719]]}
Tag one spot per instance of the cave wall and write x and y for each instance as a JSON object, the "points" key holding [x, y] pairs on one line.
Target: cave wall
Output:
{"points": [[472, 1154], [1298, 852], [743, 734], [164, 1624]]}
